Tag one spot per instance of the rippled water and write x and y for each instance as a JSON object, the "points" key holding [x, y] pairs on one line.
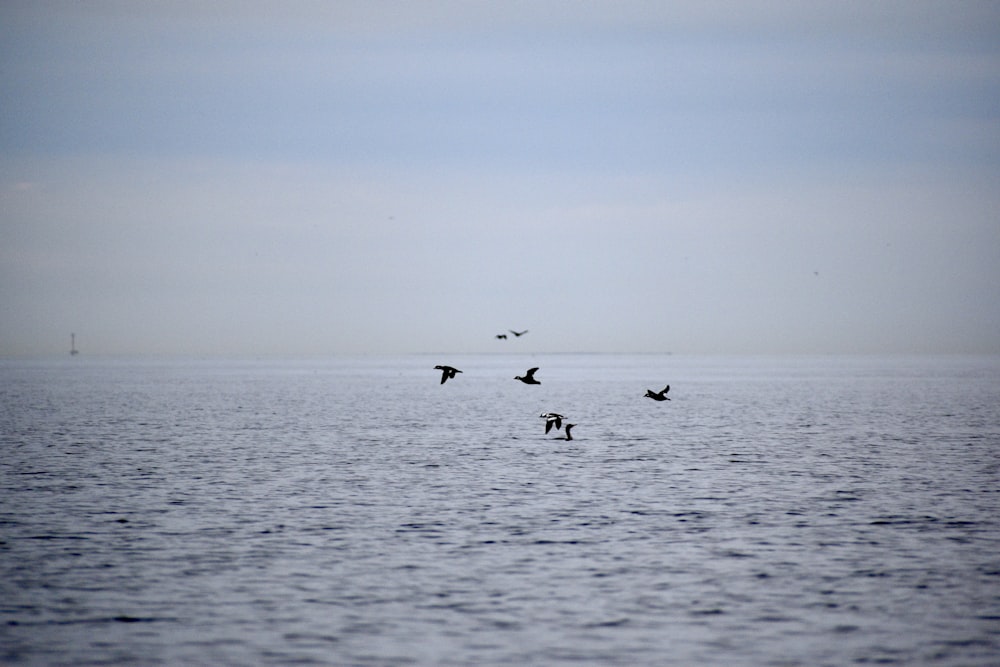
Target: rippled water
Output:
{"points": [[804, 511]]}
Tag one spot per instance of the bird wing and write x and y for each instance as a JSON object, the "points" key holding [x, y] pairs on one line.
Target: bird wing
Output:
{"points": [[548, 425], [666, 389], [531, 372]]}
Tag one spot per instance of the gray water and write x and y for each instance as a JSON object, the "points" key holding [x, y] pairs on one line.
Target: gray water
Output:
{"points": [[801, 511]]}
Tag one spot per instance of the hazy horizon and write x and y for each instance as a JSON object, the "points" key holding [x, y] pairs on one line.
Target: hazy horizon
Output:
{"points": [[311, 178]]}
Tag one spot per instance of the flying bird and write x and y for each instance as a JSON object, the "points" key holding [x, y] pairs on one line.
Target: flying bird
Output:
{"points": [[568, 435], [447, 372], [552, 419], [501, 336], [658, 396], [529, 377], [518, 333]]}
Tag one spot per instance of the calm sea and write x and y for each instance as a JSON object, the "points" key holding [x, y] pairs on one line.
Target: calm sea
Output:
{"points": [[354, 511]]}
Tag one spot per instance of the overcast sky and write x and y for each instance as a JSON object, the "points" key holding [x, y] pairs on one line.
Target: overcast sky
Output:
{"points": [[336, 177]]}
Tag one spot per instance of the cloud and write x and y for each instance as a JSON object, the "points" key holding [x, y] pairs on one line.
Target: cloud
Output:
{"points": [[400, 177]]}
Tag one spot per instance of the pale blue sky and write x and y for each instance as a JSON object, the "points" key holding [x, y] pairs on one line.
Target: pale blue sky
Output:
{"points": [[317, 178]]}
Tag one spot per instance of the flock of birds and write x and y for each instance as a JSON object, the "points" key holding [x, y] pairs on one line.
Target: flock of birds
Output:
{"points": [[551, 418], [517, 334]]}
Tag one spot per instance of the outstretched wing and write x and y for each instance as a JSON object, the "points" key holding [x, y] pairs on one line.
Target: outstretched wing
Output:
{"points": [[447, 372], [531, 372]]}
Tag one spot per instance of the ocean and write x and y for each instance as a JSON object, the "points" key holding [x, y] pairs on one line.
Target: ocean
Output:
{"points": [[356, 511]]}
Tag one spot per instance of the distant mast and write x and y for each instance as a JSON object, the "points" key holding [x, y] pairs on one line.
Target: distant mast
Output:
{"points": [[72, 345]]}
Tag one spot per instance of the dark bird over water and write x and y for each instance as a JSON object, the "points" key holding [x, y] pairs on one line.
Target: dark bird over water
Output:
{"points": [[501, 336], [518, 333], [568, 436], [447, 372], [552, 419], [529, 377], [661, 396]]}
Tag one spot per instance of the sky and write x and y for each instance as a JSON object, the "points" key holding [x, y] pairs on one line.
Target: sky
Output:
{"points": [[322, 178]]}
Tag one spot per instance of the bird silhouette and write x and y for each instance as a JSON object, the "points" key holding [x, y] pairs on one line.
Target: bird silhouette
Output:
{"points": [[447, 372], [501, 336], [568, 435], [518, 333], [552, 419], [529, 376], [658, 396]]}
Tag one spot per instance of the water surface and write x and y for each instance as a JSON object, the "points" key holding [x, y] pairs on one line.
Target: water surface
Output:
{"points": [[820, 511]]}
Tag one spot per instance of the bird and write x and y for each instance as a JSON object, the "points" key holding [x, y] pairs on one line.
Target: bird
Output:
{"points": [[529, 377], [447, 372], [568, 435], [518, 333], [658, 396], [552, 419], [501, 336]]}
